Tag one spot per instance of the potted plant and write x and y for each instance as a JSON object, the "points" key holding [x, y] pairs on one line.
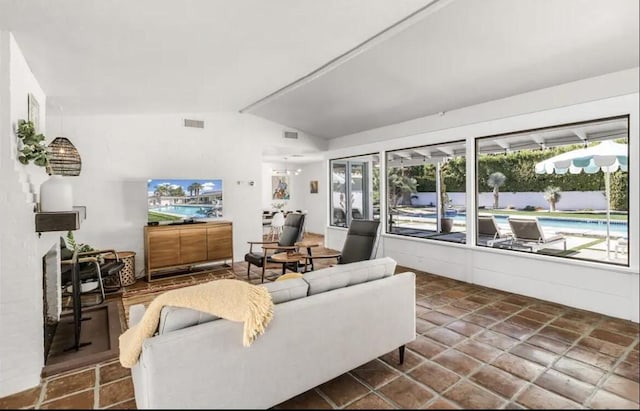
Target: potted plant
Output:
{"points": [[494, 181], [399, 186], [446, 223], [33, 147], [552, 195]]}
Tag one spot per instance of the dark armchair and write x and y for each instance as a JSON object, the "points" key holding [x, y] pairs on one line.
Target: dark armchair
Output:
{"points": [[92, 270], [292, 232], [361, 243]]}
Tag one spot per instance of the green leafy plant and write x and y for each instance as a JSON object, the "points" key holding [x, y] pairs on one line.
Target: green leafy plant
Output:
{"points": [[73, 246], [399, 186], [33, 147]]}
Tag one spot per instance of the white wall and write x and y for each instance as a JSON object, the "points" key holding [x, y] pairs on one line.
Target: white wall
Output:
{"points": [[294, 202], [592, 286], [301, 198], [315, 204], [119, 153], [21, 251]]}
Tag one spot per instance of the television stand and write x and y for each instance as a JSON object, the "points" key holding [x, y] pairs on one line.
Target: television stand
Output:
{"points": [[175, 249]]}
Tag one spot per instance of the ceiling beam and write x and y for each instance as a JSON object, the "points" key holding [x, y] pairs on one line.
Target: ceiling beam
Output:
{"points": [[580, 133], [423, 152]]}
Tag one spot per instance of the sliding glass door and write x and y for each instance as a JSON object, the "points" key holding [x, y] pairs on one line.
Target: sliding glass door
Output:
{"points": [[353, 190]]}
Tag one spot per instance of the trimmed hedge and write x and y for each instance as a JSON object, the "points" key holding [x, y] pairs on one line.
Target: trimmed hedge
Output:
{"points": [[519, 168]]}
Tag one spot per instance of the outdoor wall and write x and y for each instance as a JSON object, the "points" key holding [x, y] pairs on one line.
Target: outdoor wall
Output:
{"points": [[594, 286], [21, 251]]}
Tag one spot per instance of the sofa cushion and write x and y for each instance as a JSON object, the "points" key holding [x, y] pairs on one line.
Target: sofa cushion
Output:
{"points": [[175, 318], [283, 291], [289, 276], [344, 275]]}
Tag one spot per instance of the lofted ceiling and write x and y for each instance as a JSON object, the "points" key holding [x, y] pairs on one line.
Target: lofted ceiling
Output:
{"points": [[460, 54], [180, 56], [328, 68]]}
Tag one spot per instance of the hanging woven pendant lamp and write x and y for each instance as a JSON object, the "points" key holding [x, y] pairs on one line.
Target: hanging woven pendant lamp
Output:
{"points": [[64, 159]]}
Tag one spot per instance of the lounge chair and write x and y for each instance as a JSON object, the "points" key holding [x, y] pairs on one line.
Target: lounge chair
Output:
{"points": [[291, 232], [360, 244], [527, 232], [489, 232]]}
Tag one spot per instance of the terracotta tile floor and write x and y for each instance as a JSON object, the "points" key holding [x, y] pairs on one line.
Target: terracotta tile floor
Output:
{"points": [[475, 347]]}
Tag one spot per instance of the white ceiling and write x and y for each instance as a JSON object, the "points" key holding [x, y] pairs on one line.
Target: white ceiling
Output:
{"points": [[464, 53], [188, 56], [142, 56]]}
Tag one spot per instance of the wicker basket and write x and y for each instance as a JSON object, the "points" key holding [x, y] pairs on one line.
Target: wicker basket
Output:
{"points": [[128, 272]]}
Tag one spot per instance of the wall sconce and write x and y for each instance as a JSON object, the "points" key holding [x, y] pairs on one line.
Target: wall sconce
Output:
{"points": [[64, 159]]}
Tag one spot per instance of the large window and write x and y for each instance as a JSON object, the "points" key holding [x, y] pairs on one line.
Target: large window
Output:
{"points": [[355, 192], [426, 192], [559, 191]]}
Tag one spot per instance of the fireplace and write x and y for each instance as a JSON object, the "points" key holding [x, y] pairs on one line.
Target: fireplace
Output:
{"points": [[51, 295]]}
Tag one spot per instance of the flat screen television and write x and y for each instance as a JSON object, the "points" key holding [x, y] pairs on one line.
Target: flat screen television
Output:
{"points": [[175, 200]]}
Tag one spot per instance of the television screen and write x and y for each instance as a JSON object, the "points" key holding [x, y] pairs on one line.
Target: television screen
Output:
{"points": [[181, 199]]}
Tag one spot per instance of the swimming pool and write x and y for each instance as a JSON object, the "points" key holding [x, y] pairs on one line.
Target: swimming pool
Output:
{"points": [[186, 211], [579, 224], [618, 227]]}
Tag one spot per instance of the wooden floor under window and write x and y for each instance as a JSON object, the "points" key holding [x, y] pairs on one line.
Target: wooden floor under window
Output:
{"points": [[475, 347]]}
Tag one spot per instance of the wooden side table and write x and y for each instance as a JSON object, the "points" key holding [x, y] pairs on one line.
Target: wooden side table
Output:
{"points": [[308, 244], [286, 258]]}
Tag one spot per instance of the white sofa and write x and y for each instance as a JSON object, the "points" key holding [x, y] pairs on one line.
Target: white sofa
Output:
{"points": [[325, 324]]}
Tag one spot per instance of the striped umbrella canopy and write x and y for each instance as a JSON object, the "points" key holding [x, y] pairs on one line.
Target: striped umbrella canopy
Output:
{"points": [[608, 157]]}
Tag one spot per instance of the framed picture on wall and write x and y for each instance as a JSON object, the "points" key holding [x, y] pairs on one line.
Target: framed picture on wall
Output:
{"points": [[280, 187], [33, 112], [313, 186]]}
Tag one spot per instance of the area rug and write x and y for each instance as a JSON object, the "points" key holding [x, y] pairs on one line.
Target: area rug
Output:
{"points": [[143, 292]]}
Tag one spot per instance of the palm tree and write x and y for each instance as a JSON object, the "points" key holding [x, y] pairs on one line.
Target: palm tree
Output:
{"points": [[495, 180], [191, 189], [400, 185], [552, 195], [196, 188]]}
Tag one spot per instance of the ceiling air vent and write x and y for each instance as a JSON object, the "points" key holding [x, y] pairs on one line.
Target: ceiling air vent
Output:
{"points": [[291, 134], [193, 123]]}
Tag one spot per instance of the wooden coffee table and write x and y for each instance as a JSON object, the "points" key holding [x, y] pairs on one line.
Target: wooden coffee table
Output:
{"points": [[286, 258]]}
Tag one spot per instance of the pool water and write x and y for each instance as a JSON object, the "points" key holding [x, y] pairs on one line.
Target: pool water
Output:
{"points": [[617, 227], [187, 211]]}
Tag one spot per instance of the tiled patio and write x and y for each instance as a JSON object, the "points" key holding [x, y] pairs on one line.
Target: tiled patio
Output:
{"points": [[475, 348]]}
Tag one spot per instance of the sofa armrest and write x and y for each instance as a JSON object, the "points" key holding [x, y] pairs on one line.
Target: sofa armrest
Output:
{"points": [[135, 314]]}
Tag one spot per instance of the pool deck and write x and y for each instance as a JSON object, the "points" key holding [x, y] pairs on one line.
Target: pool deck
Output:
{"points": [[581, 244]]}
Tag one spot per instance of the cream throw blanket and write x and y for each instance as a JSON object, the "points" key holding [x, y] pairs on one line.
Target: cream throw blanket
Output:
{"points": [[233, 300]]}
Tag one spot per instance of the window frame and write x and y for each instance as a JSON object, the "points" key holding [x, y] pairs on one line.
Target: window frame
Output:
{"points": [[439, 205], [474, 242]]}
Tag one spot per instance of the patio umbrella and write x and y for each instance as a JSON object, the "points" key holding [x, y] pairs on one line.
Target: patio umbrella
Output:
{"points": [[607, 156]]}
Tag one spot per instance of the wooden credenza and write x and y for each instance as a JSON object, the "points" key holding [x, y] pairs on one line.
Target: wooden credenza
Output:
{"points": [[173, 248]]}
